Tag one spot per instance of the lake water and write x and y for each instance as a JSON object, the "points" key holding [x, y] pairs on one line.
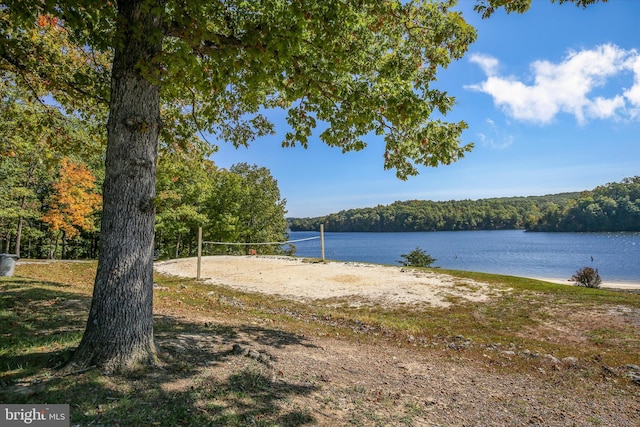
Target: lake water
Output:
{"points": [[511, 252]]}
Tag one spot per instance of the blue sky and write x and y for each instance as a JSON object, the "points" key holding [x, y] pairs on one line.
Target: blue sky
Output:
{"points": [[552, 100]]}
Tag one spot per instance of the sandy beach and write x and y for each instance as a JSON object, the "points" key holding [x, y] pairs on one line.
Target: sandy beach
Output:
{"points": [[299, 279]]}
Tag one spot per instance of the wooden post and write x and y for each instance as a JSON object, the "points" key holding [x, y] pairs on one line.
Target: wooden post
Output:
{"points": [[199, 252], [322, 241]]}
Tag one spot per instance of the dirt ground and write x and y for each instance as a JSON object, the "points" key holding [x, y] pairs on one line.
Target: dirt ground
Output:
{"points": [[338, 382]]}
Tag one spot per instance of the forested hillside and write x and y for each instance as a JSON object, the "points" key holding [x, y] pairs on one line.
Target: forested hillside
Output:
{"points": [[612, 207], [424, 215]]}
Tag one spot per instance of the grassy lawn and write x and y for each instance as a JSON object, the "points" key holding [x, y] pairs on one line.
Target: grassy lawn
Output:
{"points": [[44, 306]]}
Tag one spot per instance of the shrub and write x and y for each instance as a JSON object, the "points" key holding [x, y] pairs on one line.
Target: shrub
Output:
{"points": [[417, 258], [587, 277]]}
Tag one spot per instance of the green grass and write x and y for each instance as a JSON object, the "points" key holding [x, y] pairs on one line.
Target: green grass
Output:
{"points": [[44, 307]]}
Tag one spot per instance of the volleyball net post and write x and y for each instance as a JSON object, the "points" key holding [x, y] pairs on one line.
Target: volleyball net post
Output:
{"points": [[322, 241], [201, 242], [199, 253]]}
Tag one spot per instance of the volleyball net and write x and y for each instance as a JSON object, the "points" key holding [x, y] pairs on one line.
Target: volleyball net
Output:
{"points": [[252, 248], [252, 245], [261, 243]]}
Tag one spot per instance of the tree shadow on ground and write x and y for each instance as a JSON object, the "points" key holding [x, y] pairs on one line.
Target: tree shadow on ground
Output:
{"points": [[211, 374], [37, 324]]}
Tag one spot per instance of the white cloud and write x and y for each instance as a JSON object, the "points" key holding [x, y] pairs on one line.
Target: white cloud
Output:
{"points": [[565, 87], [602, 108], [497, 140], [488, 64], [633, 94]]}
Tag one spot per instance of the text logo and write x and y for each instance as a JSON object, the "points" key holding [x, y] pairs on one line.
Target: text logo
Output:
{"points": [[34, 415]]}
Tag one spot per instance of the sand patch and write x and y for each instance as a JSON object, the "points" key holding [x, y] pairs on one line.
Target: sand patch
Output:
{"points": [[299, 280]]}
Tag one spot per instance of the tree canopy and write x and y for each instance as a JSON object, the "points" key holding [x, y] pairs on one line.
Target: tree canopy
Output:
{"points": [[239, 205], [362, 67], [35, 138], [73, 202], [488, 7]]}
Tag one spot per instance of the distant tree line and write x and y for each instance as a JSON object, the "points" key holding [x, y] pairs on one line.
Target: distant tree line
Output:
{"points": [[424, 215], [613, 207]]}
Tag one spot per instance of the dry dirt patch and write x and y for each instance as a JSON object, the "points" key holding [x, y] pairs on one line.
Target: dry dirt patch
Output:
{"points": [[297, 279], [342, 383], [572, 324]]}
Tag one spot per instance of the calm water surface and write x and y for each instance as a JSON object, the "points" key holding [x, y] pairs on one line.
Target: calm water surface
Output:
{"points": [[512, 252]]}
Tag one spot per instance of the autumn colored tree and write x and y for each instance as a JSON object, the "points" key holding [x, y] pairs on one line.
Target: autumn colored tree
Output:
{"points": [[360, 67], [36, 62], [73, 202], [32, 143]]}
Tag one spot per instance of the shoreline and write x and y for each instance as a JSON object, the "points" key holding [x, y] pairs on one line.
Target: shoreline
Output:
{"points": [[606, 284]]}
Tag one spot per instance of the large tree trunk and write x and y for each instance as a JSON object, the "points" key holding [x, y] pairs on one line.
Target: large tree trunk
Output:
{"points": [[119, 331]]}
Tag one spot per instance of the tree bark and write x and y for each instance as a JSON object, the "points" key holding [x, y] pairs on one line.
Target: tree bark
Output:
{"points": [[63, 254], [19, 235], [53, 246], [119, 331], [23, 207]]}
